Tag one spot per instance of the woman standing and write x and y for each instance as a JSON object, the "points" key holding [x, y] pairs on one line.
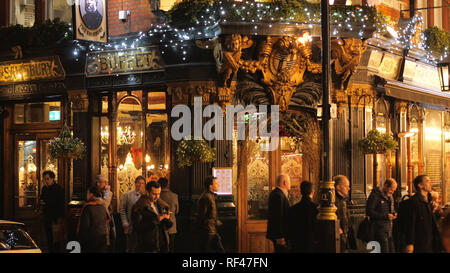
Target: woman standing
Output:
{"points": [[93, 225]]}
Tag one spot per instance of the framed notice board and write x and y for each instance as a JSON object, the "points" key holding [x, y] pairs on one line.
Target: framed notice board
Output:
{"points": [[225, 178]]}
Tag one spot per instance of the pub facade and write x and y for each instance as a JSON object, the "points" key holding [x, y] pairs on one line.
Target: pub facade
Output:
{"points": [[118, 101]]}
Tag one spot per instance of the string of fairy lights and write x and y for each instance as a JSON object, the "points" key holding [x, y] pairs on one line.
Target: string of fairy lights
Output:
{"points": [[176, 37]]}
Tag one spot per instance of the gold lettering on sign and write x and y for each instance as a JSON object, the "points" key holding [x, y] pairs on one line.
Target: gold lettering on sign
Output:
{"points": [[44, 68], [389, 66], [137, 60]]}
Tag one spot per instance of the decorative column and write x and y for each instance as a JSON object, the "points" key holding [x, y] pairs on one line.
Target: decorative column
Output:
{"points": [[112, 152], [79, 102]]}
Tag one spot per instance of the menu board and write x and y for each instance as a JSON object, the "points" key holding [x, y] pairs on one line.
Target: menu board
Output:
{"points": [[225, 179]]}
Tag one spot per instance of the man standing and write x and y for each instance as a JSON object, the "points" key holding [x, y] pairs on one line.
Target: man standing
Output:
{"points": [[302, 221], [422, 236], [151, 221], [210, 240], [342, 187], [171, 199], [380, 209], [52, 200], [106, 193], [129, 199], [277, 223]]}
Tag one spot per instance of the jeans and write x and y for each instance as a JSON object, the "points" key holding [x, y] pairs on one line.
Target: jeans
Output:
{"points": [[211, 243], [386, 241]]}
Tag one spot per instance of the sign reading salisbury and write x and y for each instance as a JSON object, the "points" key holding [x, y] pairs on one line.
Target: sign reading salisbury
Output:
{"points": [[138, 60], [90, 20], [43, 68]]}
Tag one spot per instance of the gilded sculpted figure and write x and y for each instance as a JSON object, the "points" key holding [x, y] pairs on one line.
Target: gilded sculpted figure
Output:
{"points": [[346, 55], [232, 53]]}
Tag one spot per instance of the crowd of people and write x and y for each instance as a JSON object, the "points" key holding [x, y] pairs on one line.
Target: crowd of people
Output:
{"points": [[148, 217], [417, 224]]}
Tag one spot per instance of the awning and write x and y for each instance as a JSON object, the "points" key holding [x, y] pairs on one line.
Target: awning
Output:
{"points": [[417, 94]]}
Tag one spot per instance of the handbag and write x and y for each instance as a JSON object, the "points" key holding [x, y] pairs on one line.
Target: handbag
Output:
{"points": [[365, 230]]}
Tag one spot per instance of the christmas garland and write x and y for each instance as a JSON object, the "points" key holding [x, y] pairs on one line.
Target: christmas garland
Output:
{"points": [[208, 12]]}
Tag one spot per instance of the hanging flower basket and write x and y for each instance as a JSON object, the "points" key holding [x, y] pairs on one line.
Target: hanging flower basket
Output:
{"points": [[377, 143], [66, 147], [194, 150]]}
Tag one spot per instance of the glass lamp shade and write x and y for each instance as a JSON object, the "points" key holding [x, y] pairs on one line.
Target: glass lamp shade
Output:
{"points": [[444, 74]]}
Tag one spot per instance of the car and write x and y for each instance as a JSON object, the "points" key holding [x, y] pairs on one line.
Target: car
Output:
{"points": [[15, 239]]}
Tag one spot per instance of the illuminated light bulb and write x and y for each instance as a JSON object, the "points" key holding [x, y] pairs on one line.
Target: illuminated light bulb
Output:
{"points": [[147, 158]]}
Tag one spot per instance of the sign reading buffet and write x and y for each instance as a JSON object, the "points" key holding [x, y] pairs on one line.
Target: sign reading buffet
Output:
{"points": [[139, 60], [43, 68]]}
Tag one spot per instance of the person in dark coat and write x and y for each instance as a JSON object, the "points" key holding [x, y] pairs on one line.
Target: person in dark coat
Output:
{"points": [[53, 202], [277, 224], [171, 199], [445, 233], [207, 221], [93, 224], [302, 222], [151, 221], [342, 187], [380, 209], [423, 235]]}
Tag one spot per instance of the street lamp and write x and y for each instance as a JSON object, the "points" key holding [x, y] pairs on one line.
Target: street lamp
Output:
{"points": [[444, 73]]}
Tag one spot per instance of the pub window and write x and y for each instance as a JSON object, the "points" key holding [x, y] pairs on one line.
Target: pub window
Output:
{"points": [[25, 113], [23, 12], [257, 179], [59, 9], [433, 148], [414, 128], [382, 125], [446, 195], [129, 142]]}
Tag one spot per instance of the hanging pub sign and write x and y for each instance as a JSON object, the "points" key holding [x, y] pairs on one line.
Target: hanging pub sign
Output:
{"points": [[117, 62], [42, 68], [90, 20]]}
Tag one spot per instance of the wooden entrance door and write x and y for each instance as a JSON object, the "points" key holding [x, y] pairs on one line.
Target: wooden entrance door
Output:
{"points": [[256, 176], [31, 159]]}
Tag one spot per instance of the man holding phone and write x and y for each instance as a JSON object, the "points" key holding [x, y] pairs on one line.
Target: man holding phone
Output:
{"points": [[380, 209]]}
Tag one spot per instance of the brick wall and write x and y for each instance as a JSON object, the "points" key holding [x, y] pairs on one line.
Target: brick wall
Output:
{"points": [[140, 19]]}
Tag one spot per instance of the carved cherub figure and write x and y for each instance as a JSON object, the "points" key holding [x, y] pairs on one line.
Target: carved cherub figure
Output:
{"points": [[231, 56], [346, 55]]}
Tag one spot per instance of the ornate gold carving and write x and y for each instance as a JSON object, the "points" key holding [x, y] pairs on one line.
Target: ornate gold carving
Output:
{"points": [[360, 95], [79, 100], [401, 107], [346, 55], [418, 27], [231, 55], [181, 92], [283, 62]]}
